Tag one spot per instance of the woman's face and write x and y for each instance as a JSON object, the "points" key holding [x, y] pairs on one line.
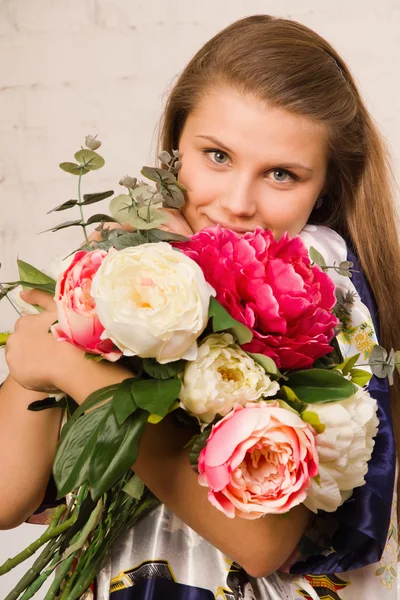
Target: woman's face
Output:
{"points": [[246, 165]]}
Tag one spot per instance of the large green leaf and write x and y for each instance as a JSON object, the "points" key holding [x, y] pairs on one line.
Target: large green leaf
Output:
{"points": [[173, 196], [71, 463], [320, 385], [156, 395], [348, 364], [123, 402], [266, 363], [157, 371], [45, 287], [196, 445], [31, 274], [121, 207], [222, 321], [116, 451], [101, 395], [89, 159]]}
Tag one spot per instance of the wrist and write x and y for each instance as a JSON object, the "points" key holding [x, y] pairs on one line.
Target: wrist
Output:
{"points": [[79, 377]]}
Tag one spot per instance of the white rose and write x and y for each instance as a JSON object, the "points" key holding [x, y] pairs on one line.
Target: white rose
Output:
{"points": [[152, 301], [344, 449], [221, 376]]}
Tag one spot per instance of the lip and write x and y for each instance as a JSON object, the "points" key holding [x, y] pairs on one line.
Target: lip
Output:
{"points": [[239, 230]]}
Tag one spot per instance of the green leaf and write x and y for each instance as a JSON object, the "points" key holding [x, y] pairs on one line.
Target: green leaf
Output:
{"points": [[73, 454], [45, 287], [31, 274], [159, 235], [196, 445], [116, 451], [73, 168], [64, 225], [101, 395], [173, 196], [344, 268], [47, 403], [222, 321], [123, 402], [134, 487], [165, 157], [63, 206], [317, 257], [313, 419], [94, 357], [121, 207], [156, 395], [157, 371], [157, 218], [96, 197], [267, 363], [89, 159], [348, 364], [4, 337], [127, 240], [315, 386], [100, 218], [158, 175], [360, 377]]}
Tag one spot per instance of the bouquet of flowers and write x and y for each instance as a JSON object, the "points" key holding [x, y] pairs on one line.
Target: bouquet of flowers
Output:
{"points": [[231, 335]]}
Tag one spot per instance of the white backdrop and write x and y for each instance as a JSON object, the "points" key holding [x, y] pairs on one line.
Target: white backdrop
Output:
{"points": [[95, 66]]}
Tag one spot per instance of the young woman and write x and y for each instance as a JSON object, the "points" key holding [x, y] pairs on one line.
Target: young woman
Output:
{"points": [[273, 133]]}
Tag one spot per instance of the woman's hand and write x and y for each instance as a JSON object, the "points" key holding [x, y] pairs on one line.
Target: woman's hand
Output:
{"points": [[33, 355]]}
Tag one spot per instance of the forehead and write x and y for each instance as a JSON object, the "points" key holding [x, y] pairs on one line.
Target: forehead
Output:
{"points": [[247, 125]]}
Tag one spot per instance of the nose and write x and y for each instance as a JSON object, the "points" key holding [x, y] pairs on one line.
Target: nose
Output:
{"points": [[239, 197]]}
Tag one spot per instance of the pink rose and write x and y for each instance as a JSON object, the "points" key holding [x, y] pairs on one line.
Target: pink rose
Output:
{"points": [[272, 288], [258, 460], [78, 322]]}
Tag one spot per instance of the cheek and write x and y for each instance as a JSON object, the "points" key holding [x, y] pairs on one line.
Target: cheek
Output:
{"points": [[201, 186]]}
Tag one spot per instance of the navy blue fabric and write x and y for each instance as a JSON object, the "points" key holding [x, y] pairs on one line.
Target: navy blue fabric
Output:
{"points": [[161, 589], [363, 521]]}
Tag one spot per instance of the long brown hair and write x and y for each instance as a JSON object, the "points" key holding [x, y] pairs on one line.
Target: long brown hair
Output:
{"points": [[289, 66]]}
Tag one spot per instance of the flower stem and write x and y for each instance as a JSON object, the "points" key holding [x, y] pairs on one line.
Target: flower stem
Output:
{"points": [[63, 570], [81, 211], [52, 531]]}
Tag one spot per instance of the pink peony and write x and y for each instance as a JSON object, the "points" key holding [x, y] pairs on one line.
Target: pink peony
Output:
{"points": [[272, 288], [258, 460], [78, 322]]}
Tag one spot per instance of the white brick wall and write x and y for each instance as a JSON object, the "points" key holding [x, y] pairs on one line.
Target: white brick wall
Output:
{"points": [[72, 67]]}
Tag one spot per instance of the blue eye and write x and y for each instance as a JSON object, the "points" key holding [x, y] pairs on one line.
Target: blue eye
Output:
{"points": [[219, 157], [281, 175]]}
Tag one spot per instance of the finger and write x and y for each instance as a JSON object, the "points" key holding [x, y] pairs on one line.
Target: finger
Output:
{"points": [[39, 298], [17, 325]]}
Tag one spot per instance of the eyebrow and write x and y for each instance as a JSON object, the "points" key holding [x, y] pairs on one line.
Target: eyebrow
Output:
{"points": [[220, 144]]}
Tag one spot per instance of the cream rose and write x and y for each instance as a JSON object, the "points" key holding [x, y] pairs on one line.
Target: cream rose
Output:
{"points": [[222, 376], [344, 449], [152, 301]]}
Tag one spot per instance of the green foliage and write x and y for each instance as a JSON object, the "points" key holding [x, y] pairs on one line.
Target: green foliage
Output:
{"points": [[360, 377], [313, 419], [156, 395], [73, 168], [319, 386], [267, 364], [64, 225], [89, 159], [222, 321], [64, 206], [317, 257], [31, 274], [157, 371], [348, 364], [96, 197], [196, 445], [123, 402]]}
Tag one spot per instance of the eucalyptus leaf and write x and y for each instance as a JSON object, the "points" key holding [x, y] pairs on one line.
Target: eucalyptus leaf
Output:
{"points": [[381, 364], [116, 451], [159, 235], [344, 268], [315, 386], [143, 194], [128, 240], [64, 206], [30, 273], [96, 197], [156, 395], [157, 218], [166, 371], [121, 207], [100, 218], [73, 168], [317, 257], [223, 321], [64, 225], [158, 175], [397, 360], [89, 159], [73, 454], [165, 157], [123, 402], [173, 196]]}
